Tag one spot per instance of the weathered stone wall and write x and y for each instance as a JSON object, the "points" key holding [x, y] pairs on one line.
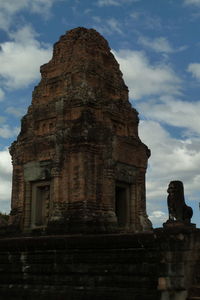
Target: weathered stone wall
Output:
{"points": [[178, 267], [79, 142], [159, 265]]}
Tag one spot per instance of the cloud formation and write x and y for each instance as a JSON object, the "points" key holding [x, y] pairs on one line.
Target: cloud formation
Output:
{"points": [[25, 55], [146, 20], [192, 2], [194, 68], [108, 2], [174, 112], [171, 159], [109, 26], [102, 3], [144, 78], [114, 25], [15, 111], [158, 217], [10, 8], [6, 131], [5, 178], [160, 44], [1, 94]]}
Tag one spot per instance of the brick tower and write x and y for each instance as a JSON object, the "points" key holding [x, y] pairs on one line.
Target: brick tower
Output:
{"points": [[78, 163]]}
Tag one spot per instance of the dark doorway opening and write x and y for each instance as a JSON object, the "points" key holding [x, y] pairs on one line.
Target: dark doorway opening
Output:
{"points": [[121, 205], [40, 204]]}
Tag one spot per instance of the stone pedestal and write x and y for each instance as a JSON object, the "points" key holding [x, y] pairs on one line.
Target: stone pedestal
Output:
{"points": [[176, 225]]}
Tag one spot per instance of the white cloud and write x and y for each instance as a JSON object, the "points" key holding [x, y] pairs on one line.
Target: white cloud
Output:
{"points": [[147, 20], [114, 25], [8, 132], [114, 2], [5, 177], [175, 112], [23, 35], [108, 2], [97, 19], [109, 26], [194, 68], [9, 8], [144, 78], [135, 15], [1, 94], [158, 217], [87, 11], [4, 21], [192, 2], [5, 163], [15, 111], [171, 159], [21, 58], [42, 6], [160, 44], [2, 119]]}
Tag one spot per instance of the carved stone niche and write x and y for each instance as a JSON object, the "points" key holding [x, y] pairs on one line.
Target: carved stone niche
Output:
{"points": [[130, 202], [122, 205], [40, 204], [38, 194], [124, 180]]}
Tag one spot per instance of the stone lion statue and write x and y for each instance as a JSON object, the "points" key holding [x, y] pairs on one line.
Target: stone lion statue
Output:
{"points": [[178, 210]]}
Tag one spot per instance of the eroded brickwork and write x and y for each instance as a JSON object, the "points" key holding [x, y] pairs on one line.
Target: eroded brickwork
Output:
{"points": [[79, 141]]}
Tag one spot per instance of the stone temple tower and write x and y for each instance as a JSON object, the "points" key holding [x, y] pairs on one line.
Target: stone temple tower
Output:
{"points": [[78, 163]]}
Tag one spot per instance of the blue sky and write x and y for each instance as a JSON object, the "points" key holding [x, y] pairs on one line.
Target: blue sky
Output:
{"points": [[157, 45]]}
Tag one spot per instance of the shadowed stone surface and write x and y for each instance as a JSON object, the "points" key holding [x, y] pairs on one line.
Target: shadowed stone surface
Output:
{"points": [[79, 267], [161, 265], [78, 163]]}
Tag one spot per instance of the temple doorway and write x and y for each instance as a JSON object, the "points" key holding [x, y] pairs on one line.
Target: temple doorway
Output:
{"points": [[122, 197], [40, 203]]}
